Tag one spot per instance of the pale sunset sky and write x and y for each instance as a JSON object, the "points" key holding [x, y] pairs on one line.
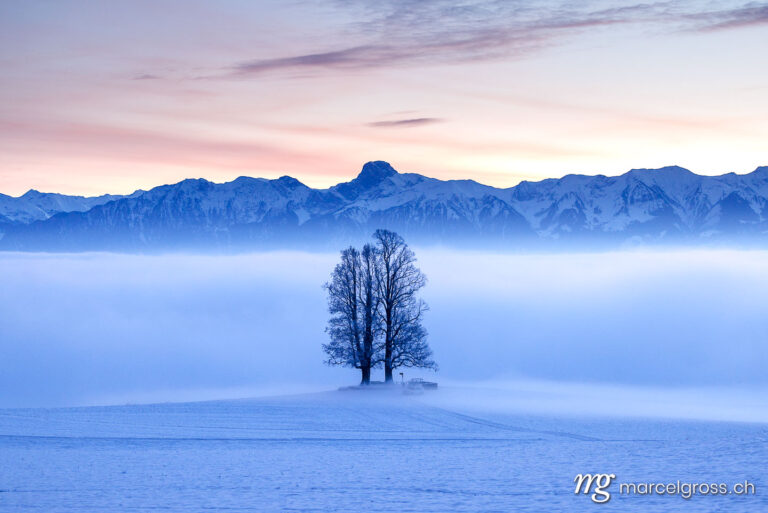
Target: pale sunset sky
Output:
{"points": [[112, 96]]}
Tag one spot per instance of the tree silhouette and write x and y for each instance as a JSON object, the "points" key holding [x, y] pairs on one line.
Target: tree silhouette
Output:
{"points": [[398, 283]]}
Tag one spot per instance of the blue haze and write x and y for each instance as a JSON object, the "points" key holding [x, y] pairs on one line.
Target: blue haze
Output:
{"points": [[551, 366], [105, 328]]}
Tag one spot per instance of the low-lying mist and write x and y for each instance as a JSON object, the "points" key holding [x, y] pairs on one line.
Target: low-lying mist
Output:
{"points": [[106, 328]]}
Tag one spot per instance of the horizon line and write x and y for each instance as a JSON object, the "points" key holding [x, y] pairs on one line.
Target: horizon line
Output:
{"points": [[34, 190]]}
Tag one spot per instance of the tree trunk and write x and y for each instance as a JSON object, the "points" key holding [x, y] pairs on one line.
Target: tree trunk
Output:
{"points": [[388, 362], [366, 371], [388, 346], [388, 372]]}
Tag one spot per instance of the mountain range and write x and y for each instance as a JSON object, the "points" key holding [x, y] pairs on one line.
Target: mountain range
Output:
{"points": [[643, 206]]}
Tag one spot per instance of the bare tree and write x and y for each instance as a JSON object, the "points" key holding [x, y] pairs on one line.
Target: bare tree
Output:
{"points": [[409, 338], [352, 305], [344, 325], [368, 300], [376, 315], [398, 281]]}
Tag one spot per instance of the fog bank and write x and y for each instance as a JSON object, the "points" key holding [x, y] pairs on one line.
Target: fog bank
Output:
{"points": [[101, 328]]}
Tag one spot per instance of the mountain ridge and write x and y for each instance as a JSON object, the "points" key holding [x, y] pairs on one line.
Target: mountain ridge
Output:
{"points": [[663, 205]]}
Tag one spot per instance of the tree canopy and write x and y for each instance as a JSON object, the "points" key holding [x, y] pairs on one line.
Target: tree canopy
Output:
{"points": [[376, 314]]}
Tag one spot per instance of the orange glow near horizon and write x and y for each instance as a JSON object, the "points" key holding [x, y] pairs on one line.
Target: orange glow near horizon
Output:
{"points": [[193, 89]]}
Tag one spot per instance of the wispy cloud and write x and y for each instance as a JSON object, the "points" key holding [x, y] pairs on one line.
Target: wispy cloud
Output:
{"points": [[404, 123], [749, 15], [354, 57], [146, 76], [481, 45], [404, 33]]}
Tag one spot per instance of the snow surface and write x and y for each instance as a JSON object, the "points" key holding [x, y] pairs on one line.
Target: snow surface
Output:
{"points": [[358, 451], [36, 206], [665, 334]]}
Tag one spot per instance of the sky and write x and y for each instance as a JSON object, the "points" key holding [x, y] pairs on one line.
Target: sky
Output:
{"points": [[94, 328], [109, 97]]}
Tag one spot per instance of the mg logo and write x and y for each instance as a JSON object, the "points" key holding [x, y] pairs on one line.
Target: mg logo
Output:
{"points": [[585, 482]]}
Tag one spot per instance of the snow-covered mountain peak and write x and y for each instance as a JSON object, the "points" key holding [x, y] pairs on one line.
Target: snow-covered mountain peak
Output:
{"points": [[192, 183], [664, 204], [667, 175], [761, 173], [676, 181], [290, 182], [374, 173], [246, 180], [34, 205], [673, 170]]}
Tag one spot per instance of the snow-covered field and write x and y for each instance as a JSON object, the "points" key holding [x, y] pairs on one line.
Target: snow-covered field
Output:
{"points": [[357, 451], [550, 366]]}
